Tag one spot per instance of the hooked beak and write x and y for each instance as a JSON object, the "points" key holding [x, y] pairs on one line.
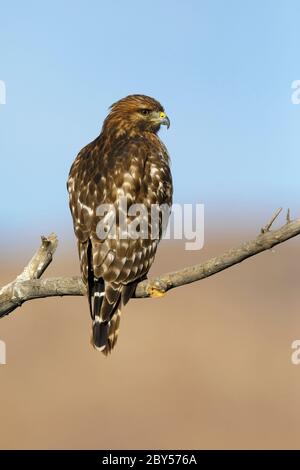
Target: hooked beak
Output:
{"points": [[164, 120]]}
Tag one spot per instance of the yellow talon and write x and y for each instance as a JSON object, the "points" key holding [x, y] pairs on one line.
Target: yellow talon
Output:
{"points": [[155, 292]]}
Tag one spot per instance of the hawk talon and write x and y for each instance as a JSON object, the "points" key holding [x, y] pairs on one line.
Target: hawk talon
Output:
{"points": [[155, 292]]}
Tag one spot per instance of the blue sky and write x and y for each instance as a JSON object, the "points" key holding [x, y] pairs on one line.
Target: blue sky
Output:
{"points": [[223, 71]]}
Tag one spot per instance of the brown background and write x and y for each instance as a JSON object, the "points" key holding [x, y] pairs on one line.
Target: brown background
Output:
{"points": [[207, 366]]}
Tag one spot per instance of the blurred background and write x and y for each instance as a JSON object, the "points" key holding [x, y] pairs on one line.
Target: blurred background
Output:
{"points": [[209, 365]]}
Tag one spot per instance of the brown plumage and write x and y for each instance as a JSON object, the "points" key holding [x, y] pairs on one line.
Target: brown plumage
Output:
{"points": [[129, 163]]}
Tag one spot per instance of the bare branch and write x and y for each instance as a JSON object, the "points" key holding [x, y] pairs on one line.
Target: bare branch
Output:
{"points": [[29, 287], [34, 269]]}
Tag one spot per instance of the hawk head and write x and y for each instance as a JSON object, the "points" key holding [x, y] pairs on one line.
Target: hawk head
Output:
{"points": [[135, 114]]}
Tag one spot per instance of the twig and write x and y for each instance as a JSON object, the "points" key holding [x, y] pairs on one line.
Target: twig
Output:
{"points": [[20, 291], [267, 227]]}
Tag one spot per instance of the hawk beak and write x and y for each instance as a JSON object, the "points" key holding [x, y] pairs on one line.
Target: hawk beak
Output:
{"points": [[164, 120]]}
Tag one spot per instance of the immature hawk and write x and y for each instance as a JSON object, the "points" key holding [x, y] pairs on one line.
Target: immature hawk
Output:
{"points": [[126, 163]]}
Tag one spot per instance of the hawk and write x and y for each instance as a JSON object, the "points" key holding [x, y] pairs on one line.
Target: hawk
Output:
{"points": [[127, 163]]}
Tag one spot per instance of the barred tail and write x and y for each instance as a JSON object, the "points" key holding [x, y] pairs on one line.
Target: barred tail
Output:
{"points": [[105, 306], [100, 328], [106, 301], [113, 327], [105, 334]]}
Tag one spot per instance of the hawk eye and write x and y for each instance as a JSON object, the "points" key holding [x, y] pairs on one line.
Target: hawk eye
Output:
{"points": [[145, 112]]}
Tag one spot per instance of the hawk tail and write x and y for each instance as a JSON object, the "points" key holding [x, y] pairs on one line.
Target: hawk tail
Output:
{"points": [[99, 327], [106, 303], [113, 327]]}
